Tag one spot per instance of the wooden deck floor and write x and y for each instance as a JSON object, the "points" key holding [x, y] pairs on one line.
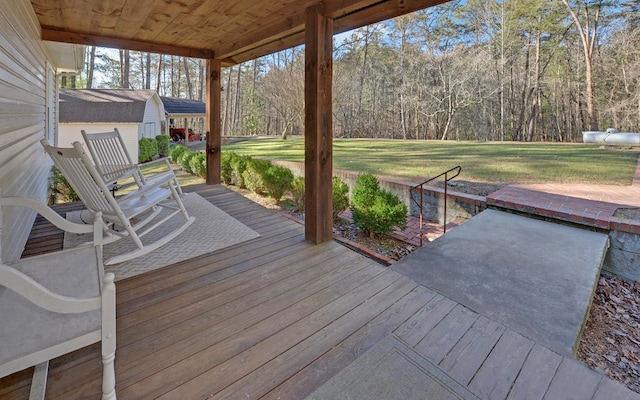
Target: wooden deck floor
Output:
{"points": [[276, 317]]}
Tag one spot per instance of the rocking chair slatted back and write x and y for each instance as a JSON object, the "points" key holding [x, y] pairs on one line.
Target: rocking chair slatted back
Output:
{"points": [[111, 157], [75, 165], [114, 163]]}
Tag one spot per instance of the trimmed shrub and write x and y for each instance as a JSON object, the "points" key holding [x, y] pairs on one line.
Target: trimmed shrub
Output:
{"points": [[340, 192], [238, 166], [60, 188], [253, 175], [225, 167], [297, 192], [185, 160], [148, 149], [176, 152], [164, 142], [376, 210], [198, 164], [277, 180]]}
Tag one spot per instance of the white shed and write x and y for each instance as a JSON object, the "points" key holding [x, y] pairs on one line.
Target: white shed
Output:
{"points": [[136, 114]]}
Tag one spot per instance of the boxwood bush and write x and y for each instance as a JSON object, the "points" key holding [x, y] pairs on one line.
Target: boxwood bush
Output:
{"points": [[225, 166], [376, 210], [176, 152], [297, 193], [185, 160], [148, 148], [253, 175], [277, 180], [198, 164], [340, 191], [238, 166], [163, 142]]}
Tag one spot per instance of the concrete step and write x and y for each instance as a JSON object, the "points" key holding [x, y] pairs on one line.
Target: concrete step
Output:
{"points": [[532, 276]]}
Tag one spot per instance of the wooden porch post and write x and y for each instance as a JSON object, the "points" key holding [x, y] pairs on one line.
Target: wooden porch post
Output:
{"points": [[214, 138], [318, 158]]}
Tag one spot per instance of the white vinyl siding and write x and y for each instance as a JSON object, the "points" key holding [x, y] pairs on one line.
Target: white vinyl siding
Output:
{"points": [[153, 116], [24, 99], [70, 132]]}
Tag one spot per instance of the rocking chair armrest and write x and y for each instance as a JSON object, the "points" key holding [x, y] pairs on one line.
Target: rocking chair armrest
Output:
{"points": [[164, 160], [41, 296], [48, 213], [150, 184], [125, 173]]}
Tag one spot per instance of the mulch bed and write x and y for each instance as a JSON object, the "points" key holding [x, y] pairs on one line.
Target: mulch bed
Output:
{"points": [[611, 340]]}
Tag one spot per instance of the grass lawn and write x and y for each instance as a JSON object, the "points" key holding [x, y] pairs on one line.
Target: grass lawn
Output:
{"points": [[490, 162], [150, 169]]}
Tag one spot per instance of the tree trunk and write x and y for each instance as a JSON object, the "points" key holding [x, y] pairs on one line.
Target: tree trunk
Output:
{"points": [[236, 111], [187, 77], [91, 67], [125, 59], [536, 92], [148, 72], [227, 105], [588, 34], [160, 57]]}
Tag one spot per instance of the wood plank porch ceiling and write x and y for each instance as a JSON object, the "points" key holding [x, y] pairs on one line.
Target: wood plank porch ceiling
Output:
{"points": [[229, 31]]}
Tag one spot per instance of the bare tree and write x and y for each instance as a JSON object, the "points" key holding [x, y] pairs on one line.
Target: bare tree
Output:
{"points": [[148, 72], [588, 30], [91, 67], [125, 62]]}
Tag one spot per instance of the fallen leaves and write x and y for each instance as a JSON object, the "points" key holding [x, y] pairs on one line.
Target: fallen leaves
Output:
{"points": [[611, 340]]}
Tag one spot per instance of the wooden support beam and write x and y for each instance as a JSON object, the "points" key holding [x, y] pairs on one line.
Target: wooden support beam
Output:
{"points": [[214, 133], [121, 43], [318, 155], [279, 34]]}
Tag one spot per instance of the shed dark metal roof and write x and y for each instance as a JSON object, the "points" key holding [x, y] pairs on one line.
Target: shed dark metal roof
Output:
{"points": [[103, 105], [177, 106]]}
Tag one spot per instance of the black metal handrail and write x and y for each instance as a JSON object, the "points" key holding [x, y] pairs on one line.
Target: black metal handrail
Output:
{"points": [[447, 178]]}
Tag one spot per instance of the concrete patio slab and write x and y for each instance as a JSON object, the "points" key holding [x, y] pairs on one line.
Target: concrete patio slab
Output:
{"points": [[532, 276]]}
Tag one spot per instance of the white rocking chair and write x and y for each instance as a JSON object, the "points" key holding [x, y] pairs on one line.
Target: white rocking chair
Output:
{"points": [[113, 162], [56, 303], [145, 204]]}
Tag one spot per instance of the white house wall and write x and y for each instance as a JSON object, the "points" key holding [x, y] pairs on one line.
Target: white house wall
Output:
{"points": [[27, 108], [153, 115], [70, 132]]}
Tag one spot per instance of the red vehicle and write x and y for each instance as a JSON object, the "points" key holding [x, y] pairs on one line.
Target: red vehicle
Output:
{"points": [[178, 135]]}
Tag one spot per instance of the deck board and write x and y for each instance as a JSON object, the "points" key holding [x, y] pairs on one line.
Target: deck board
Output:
{"points": [[437, 343], [300, 384], [277, 317], [279, 369], [464, 360], [414, 330], [497, 374], [536, 375], [564, 382], [247, 348]]}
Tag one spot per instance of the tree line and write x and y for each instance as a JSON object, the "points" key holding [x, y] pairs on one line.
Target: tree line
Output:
{"points": [[522, 70]]}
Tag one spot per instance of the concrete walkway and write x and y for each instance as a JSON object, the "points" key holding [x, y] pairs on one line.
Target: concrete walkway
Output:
{"points": [[512, 295], [534, 277]]}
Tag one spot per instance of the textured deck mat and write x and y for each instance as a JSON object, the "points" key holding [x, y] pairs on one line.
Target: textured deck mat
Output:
{"points": [[212, 230]]}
